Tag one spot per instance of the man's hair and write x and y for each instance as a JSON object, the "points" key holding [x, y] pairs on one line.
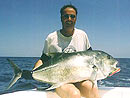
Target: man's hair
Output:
{"points": [[70, 6]]}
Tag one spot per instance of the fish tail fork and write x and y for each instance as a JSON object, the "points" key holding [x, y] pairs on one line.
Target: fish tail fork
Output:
{"points": [[17, 74]]}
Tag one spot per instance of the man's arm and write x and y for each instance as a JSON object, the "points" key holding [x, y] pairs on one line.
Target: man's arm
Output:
{"points": [[42, 59]]}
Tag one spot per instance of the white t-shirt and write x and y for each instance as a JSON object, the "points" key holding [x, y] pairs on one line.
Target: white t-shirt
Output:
{"points": [[56, 42]]}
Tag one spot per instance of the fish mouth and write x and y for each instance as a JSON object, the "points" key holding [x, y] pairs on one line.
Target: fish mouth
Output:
{"points": [[115, 64], [115, 71]]}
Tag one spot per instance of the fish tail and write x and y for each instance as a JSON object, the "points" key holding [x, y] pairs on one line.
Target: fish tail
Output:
{"points": [[17, 74]]}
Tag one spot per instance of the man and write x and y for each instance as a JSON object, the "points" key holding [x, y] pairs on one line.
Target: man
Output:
{"points": [[69, 39]]}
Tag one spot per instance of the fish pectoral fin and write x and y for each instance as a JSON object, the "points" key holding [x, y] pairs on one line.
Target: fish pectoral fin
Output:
{"points": [[94, 73], [53, 86], [93, 76]]}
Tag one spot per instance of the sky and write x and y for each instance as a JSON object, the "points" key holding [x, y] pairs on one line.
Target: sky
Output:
{"points": [[25, 24]]}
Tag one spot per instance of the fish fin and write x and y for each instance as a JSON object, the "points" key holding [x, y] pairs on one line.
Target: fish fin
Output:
{"points": [[94, 73], [55, 54], [14, 80], [41, 88], [53, 86], [17, 74]]}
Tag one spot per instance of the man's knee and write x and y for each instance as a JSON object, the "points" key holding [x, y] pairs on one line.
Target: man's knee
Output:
{"points": [[88, 90], [88, 84], [68, 91], [75, 94]]}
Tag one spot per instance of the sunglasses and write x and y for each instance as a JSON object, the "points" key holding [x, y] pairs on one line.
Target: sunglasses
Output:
{"points": [[69, 15]]}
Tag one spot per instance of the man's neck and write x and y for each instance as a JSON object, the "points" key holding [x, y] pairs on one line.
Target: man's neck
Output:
{"points": [[67, 33]]}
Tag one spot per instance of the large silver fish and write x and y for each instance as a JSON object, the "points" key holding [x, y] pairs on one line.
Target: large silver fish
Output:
{"points": [[70, 68]]}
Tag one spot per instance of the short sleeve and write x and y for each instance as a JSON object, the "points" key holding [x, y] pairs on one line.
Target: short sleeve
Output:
{"points": [[46, 48]]}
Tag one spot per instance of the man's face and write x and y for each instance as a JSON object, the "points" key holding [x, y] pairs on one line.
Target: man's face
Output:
{"points": [[68, 18]]}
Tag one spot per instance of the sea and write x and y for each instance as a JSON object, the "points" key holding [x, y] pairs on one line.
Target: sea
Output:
{"points": [[120, 79]]}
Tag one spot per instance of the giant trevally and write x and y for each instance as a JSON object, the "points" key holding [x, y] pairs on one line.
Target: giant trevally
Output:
{"points": [[73, 67]]}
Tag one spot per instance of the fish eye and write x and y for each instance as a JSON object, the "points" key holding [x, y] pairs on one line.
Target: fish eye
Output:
{"points": [[109, 57]]}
